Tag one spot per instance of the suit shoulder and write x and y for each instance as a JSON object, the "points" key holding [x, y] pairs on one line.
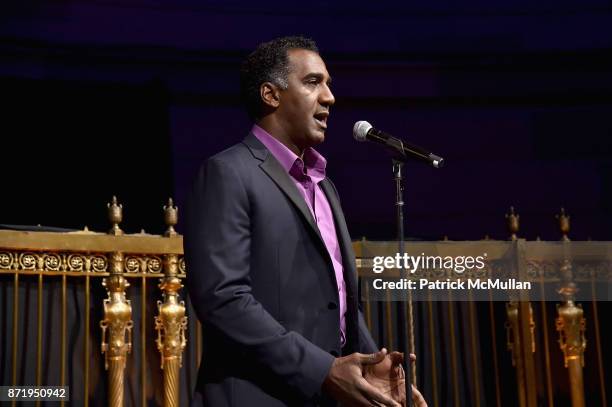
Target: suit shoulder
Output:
{"points": [[231, 155], [234, 162]]}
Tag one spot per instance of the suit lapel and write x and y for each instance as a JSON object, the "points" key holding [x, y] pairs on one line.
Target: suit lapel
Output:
{"points": [[280, 177], [277, 173]]}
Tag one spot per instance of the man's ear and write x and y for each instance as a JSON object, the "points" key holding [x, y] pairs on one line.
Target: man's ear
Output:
{"points": [[270, 94]]}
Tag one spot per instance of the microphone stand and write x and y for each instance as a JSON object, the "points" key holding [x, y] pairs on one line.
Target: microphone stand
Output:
{"points": [[405, 347]]}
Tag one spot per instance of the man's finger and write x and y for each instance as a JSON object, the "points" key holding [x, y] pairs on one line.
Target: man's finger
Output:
{"points": [[400, 355], [417, 398], [371, 393], [372, 358], [396, 357]]}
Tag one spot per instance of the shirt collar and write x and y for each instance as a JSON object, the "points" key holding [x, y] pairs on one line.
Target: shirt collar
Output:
{"points": [[314, 162]]}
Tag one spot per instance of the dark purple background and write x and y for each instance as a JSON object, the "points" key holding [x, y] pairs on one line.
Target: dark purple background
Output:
{"points": [[128, 97]]}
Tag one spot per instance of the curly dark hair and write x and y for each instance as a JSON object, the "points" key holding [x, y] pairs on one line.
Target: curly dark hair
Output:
{"points": [[268, 63]]}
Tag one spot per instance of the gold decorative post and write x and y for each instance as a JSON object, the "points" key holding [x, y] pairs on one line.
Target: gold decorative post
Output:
{"points": [[117, 321], [571, 324], [171, 324], [520, 326]]}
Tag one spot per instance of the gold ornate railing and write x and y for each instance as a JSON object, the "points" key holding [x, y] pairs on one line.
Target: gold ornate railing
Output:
{"points": [[111, 261], [568, 267], [94, 312]]}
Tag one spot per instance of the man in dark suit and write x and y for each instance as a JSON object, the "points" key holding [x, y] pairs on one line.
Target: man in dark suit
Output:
{"points": [[271, 271]]}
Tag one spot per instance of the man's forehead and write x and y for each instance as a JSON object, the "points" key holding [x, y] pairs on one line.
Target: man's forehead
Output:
{"points": [[305, 62]]}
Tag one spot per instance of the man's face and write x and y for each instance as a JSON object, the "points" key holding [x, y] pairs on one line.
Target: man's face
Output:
{"points": [[304, 105]]}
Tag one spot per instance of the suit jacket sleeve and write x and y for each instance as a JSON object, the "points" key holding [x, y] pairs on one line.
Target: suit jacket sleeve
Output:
{"points": [[366, 342], [217, 252]]}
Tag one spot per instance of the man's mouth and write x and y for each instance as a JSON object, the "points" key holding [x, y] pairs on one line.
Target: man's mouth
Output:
{"points": [[321, 119]]}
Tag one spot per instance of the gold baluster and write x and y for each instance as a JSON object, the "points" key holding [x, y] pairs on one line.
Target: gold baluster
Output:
{"points": [[171, 324], [116, 329]]}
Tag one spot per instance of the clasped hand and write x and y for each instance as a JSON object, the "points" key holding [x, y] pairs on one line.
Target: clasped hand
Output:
{"points": [[370, 380]]}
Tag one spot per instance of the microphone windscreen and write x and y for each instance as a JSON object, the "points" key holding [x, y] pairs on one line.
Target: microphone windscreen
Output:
{"points": [[360, 130]]}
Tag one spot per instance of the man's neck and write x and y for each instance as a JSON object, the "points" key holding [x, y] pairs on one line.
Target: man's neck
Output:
{"points": [[275, 130]]}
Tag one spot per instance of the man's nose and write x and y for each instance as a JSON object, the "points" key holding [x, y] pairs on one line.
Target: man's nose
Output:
{"points": [[327, 97]]}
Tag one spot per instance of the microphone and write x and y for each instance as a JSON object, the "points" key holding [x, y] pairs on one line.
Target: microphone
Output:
{"points": [[363, 131]]}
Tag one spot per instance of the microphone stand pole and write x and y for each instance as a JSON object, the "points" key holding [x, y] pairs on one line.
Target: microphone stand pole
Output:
{"points": [[405, 325]]}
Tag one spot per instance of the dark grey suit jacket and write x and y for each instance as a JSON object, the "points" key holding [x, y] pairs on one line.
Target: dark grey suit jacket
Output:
{"points": [[263, 285]]}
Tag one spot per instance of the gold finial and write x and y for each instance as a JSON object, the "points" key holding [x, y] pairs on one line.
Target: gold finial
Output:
{"points": [[513, 223], [170, 217], [564, 225], [115, 216]]}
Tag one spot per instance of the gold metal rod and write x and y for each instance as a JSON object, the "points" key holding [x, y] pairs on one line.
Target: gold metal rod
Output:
{"points": [[515, 346], [15, 327], [451, 321], [494, 347], [527, 352], [86, 347], [198, 342], [39, 334], [432, 350], [171, 382], [602, 381], [368, 307], [549, 390], [63, 336], [525, 325], [475, 367], [574, 367], [143, 342]]}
